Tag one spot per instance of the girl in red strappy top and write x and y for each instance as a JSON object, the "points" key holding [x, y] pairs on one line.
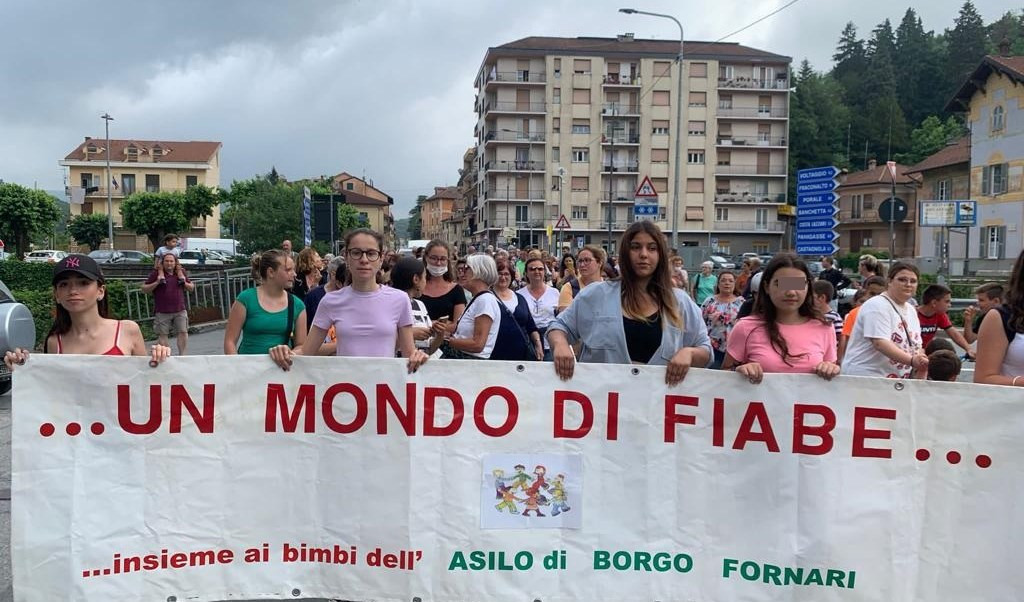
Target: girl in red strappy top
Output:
{"points": [[81, 325]]}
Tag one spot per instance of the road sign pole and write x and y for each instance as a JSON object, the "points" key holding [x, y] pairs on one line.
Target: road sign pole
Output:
{"points": [[892, 216]]}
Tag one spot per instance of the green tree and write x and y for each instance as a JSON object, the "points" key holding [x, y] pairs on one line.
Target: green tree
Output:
{"points": [[930, 137], [966, 44], [918, 68], [89, 229], [415, 224], [851, 62], [1009, 27], [264, 213], [817, 124], [349, 219], [24, 214], [155, 214]]}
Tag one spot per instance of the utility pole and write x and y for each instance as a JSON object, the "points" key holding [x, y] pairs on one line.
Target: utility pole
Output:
{"points": [[110, 203], [611, 177]]}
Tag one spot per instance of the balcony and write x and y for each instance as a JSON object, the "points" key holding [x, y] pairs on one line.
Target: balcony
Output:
{"points": [[730, 226], [491, 106], [632, 138], [750, 170], [728, 111], [516, 77], [618, 197], [614, 109], [513, 166], [520, 137], [613, 80], [778, 141], [750, 198], [621, 166], [511, 194], [512, 222], [751, 83]]}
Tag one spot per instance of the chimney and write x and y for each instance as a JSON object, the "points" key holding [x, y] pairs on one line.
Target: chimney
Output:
{"points": [[625, 37], [872, 163], [1004, 46], [88, 138]]}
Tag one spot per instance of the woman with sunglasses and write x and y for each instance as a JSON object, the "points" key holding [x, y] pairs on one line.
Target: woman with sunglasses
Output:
{"points": [[886, 338], [541, 299], [369, 319], [444, 298], [639, 318], [784, 332]]}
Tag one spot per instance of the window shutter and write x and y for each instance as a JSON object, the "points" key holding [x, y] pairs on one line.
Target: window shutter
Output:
{"points": [[1002, 242], [985, 174], [983, 242]]}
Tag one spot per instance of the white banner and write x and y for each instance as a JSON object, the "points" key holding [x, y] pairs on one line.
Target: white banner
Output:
{"points": [[213, 478]]}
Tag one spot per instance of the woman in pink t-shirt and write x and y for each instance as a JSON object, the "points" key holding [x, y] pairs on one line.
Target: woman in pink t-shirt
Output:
{"points": [[369, 319], [784, 333]]}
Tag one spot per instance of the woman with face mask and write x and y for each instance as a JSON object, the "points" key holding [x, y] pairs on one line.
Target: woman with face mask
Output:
{"points": [[445, 300]]}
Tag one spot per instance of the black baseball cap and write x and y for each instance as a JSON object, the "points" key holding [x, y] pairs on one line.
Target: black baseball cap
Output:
{"points": [[78, 264]]}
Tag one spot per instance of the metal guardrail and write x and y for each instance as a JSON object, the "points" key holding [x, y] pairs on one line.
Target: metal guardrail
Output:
{"points": [[213, 289]]}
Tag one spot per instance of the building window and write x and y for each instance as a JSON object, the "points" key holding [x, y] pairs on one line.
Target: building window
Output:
{"points": [[580, 126], [698, 70], [152, 182], [725, 101], [364, 218], [724, 158], [998, 120], [660, 185], [660, 98], [579, 212], [581, 66], [350, 186], [662, 213], [698, 99], [942, 190], [127, 183], [580, 155], [581, 96], [869, 202], [580, 183], [721, 214], [993, 179], [857, 206], [659, 126], [157, 151], [522, 214], [725, 72], [761, 248], [555, 153], [132, 154], [993, 242], [558, 68], [556, 183], [695, 185], [191, 181], [659, 155], [556, 96], [695, 157], [696, 128], [89, 180], [556, 124], [724, 247], [761, 218], [662, 68]]}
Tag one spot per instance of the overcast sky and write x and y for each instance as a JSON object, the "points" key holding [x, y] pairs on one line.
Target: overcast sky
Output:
{"points": [[317, 87]]}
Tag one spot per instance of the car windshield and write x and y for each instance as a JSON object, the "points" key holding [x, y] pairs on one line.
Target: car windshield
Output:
{"points": [[39, 254]]}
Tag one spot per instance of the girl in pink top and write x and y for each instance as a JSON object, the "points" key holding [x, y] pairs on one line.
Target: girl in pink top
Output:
{"points": [[784, 333]]}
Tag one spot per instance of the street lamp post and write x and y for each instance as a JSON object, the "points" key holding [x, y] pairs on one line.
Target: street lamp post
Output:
{"points": [[110, 203], [561, 211], [679, 121]]}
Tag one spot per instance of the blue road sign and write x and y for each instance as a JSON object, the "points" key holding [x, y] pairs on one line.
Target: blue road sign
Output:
{"points": [[817, 173], [817, 248], [817, 211], [816, 223], [307, 224], [809, 236], [645, 210], [816, 187], [824, 198]]}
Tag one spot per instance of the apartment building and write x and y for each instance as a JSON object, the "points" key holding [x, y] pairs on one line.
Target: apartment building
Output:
{"points": [[458, 227], [137, 165], [572, 126], [993, 100], [437, 208]]}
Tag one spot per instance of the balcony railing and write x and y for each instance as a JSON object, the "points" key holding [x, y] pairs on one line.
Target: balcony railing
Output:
{"points": [[501, 194], [730, 226], [500, 166], [751, 141], [620, 166], [514, 136], [520, 77], [750, 198], [751, 170], [612, 109], [515, 107], [615, 79], [512, 222], [750, 83], [627, 139], [625, 196], [753, 112]]}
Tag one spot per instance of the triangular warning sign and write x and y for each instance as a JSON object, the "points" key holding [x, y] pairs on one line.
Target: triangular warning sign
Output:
{"points": [[646, 190], [563, 224]]}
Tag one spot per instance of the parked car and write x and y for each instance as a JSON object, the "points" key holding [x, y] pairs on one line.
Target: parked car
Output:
{"points": [[721, 263], [198, 258], [136, 257], [17, 329], [45, 256], [815, 267], [225, 257], [765, 258], [107, 256]]}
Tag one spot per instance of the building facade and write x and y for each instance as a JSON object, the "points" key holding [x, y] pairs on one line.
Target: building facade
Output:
{"points": [[437, 208], [140, 165], [944, 176], [572, 126], [861, 228], [993, 100], [373, 205]]}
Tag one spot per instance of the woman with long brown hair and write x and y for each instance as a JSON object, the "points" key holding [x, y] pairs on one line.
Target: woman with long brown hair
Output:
{"points": [[1001, 336], [639, 318], [308, 272], [784, 332]]}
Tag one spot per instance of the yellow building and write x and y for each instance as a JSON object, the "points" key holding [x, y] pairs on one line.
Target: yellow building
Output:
{"points": [[436, 209], [141, 165], [373, 204]]}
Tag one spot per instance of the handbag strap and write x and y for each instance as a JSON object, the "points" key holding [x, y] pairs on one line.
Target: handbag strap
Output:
{"points": [[906, 328]]}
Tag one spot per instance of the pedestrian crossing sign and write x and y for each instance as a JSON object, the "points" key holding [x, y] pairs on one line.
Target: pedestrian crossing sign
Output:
{"points": [[646, 190], [563, 224]]}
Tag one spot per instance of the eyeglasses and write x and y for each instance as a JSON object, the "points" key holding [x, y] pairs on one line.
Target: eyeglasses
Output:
{"points": [[437, 259], [905, 280], [540, 269], [584, 261], [462, 268], [371, 254]]}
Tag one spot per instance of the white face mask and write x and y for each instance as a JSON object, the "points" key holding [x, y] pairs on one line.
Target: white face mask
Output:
{"points": [[437, 270]]}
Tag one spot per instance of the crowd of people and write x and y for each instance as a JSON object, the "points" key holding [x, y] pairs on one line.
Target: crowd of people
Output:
{"points": [[639, 306]]}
